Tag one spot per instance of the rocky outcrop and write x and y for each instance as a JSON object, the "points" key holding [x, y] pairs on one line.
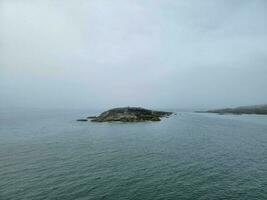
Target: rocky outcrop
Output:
{"points": [[82, 120], [130, 114]]}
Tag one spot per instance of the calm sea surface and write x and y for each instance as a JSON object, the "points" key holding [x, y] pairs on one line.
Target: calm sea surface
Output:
{"points": [[48, 155]]}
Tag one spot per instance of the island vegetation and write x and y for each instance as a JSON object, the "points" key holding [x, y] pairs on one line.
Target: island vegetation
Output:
{"points": [[128, 114]]}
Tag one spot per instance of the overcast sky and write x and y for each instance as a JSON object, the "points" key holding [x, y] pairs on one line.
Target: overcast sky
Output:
{"points": [[151, 53]]}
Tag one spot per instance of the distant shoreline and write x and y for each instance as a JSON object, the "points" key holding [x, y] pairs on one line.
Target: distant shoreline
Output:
{"points": [[256, 109]]}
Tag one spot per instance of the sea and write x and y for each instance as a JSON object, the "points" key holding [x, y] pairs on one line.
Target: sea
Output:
{"points": [[48, 155]]}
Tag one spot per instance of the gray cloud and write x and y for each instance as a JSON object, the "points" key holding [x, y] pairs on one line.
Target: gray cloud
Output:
{"points": [[150, 53]]}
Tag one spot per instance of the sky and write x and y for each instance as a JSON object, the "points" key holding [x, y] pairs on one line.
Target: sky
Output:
{"points": [[150, 53]]}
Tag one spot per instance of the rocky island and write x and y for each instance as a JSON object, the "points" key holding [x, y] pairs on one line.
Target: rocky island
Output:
{"points": [[128, 114], [256, 109]]}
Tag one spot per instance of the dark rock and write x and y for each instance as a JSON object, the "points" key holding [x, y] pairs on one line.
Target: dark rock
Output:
{"points": [[91, 117], [82, 120], [130, 114]]}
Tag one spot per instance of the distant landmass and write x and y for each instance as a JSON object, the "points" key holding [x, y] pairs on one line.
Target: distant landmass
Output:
{"points": [[256, 109], [128, 114]]}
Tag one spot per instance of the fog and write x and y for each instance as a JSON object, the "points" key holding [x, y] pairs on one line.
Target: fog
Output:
{"points": [[150, 53]]}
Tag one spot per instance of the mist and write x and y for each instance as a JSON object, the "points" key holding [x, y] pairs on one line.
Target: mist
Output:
{"points": [[156, 54]]}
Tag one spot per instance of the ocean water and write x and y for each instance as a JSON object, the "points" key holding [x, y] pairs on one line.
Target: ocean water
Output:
{"points": [[48, 155]]}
